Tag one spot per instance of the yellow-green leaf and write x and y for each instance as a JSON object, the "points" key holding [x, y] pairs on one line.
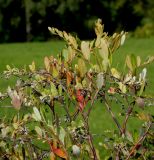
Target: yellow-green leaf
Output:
{"points": [[38, 131], [47, 63], [85, 48], [122, 87], [32, 66], [82, 68], [115, 73], [138, 61], [54, 91], [100, 80], [103, 51], [36, 115]]}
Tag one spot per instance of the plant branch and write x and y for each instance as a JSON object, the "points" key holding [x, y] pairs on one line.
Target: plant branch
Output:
{"points": [[92, 103], [131, 152], [113, 116], [90, 138], [129, 111]]}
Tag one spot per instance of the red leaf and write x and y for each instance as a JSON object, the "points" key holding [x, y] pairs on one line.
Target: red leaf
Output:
{"points": [[80, 97], [58, 151]]}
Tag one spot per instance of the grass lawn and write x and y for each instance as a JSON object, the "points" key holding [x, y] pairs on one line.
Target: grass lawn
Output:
{"points": [[19, 54]]}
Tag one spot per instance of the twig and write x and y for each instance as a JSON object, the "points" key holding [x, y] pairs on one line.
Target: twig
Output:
{"points": [[92, 103], [113, 116], [129, 111], [90, 138], [138, 142]]}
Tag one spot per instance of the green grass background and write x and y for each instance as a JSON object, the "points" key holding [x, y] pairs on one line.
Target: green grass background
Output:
{"points": [[20, 54]]}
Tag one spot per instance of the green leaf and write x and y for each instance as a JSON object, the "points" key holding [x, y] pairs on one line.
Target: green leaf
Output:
{"points": [[129, 63], [47, 63], [55, 72], [149, 60], [142, 88], [38, 131], [65, 54], [82, 67], [99, 28], [133, 61], [62, 135], [60, 89], [5, 131], [36, 115], [103, 51], [85, 48], [123, 37], [105, 63], [8, 67], [122, 87], [53, 89], [72, 41], [32, 67], [71, 53], [100, 80], [138, 58], [115, 73]]}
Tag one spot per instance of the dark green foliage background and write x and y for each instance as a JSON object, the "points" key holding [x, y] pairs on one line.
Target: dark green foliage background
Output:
{"points": [[22, 20]]}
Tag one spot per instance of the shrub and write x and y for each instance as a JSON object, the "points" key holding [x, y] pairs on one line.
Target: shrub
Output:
{"points": [[64, 93]]}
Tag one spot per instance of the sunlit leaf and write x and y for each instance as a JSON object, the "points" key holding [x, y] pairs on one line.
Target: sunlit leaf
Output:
{"points": [[149, 60], [72, 41], [39, 131], [60, 89], [5, 131], [71, 53], [55, 72], [100, 80], [85, 48], [32, 66], [123, 39], [53, 89], [115, 42], [8, 67], [133, 60], [115, 73], [47, 63], [62, 135], [82, 67], [99, 28], [143, 116], [65, 54], [103, 51], [138, 61], [122, 87], [129, 63], [36, 115]]}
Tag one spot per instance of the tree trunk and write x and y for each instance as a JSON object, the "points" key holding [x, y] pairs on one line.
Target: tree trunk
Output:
{"points": [[28, 5]]}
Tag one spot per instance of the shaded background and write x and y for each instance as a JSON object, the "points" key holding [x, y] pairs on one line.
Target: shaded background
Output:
{"points": [[27, 20]]}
